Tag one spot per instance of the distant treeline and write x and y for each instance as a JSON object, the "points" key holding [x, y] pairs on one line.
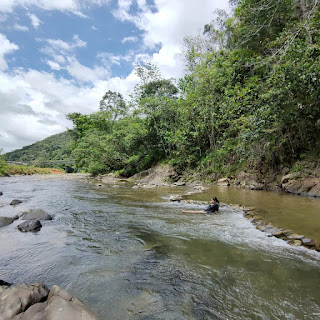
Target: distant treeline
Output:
{"points": [[52, 152]]}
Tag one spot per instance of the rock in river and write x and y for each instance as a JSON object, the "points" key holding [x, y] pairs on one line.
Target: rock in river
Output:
{"points": [[28, 226], [15, 202], [36, 302], [5, 221], [35, 214]]}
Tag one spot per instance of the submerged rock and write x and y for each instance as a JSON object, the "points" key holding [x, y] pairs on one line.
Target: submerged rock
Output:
{"points": [[5, 221], [30, 226], [35, 214], [15, 202]]}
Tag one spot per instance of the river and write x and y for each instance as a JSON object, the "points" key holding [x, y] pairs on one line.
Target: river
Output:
{"points": [[131, 254]]}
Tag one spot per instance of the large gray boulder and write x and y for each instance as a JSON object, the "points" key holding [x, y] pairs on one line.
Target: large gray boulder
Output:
{"points": [[63, 306], [5, 221], [16, 300], [30, 226], [35, 214], [36, 302]]}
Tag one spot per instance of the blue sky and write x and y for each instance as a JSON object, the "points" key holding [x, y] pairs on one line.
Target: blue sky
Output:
{"points": [[61, 56]]}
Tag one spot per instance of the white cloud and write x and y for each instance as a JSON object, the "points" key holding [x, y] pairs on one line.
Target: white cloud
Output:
{"points": [[73, 6], [35, 21], [43, 101], [129, 39], [86, 74], [53, 65], [58, 45], [6, 47], [168, 25], [20, 28], [94, 28], [108, 58]]}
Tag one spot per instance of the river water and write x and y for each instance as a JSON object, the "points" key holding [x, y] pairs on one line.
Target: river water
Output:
{"points": [[131, 254]]}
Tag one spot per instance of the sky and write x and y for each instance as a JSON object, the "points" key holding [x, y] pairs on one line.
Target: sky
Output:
{"points": [[61, 56]]}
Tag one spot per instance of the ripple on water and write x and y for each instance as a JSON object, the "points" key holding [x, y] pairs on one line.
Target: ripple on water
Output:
{"points": [[134, 259]]}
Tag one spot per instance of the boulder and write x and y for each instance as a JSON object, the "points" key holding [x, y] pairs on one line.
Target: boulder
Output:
{"points": [[35, 312], [156, 176], [296, 243], [295, 236], [307, 242], [223, 182], [175, 198], [30, 226], [315, 191], [5, 221], [15, 202], [63, 306], [292, 186], [290, 176], [35, 214], [15, 300], [179, 184], [36, 302], [250, 181]]}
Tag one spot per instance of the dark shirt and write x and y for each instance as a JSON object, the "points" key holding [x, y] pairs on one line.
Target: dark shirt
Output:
{"points": [[212, 208]]}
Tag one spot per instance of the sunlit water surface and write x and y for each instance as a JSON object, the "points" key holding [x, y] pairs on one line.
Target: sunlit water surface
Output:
{"points": [[131, 254]]}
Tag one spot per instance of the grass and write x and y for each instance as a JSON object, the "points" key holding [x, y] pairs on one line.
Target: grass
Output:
{"points": [[13, 169]]}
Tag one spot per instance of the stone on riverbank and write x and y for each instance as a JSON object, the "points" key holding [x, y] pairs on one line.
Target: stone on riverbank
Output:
{"points": [[36, 302], [294, 183], [30, 226], [5, 221], [224, 182], [175, 198], [15, 202], [35, 214], [156, 176]]}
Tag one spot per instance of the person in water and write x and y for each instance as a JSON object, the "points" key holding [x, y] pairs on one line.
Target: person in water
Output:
{"points": [[212, 208]]}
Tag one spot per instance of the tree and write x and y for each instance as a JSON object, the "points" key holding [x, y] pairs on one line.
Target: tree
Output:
{"points": [[114, 104]]}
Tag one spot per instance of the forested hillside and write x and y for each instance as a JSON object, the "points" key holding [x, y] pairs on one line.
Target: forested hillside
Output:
{"points": [[54, 152], [249, 100]]}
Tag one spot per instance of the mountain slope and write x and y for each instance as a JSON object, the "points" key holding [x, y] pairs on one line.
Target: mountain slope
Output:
{"points": [[54, 151]]}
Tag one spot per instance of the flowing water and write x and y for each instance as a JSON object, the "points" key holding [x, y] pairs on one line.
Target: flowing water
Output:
{"points": [[131, 253]]}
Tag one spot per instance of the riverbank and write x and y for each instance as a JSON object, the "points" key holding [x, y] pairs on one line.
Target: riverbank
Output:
{"points": [[21, 170]]}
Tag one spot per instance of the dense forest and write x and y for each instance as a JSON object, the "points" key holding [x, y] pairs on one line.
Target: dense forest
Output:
{"points": [[250, 100], [54, 152]]}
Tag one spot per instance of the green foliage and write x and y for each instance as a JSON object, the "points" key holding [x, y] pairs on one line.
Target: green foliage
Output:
{"points": [[3, 165], [250, 99], [54, 152]]}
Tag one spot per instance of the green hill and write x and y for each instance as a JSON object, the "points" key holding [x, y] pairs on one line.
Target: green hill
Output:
{"points": [[54, 152]]}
